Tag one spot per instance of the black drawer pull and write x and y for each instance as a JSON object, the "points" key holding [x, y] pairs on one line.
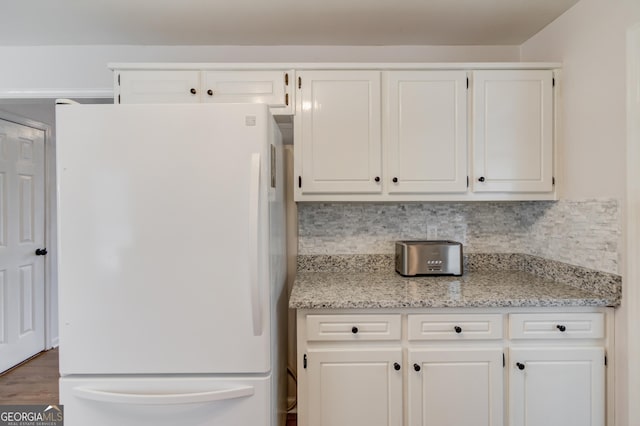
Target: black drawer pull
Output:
{"points": [[396, 366], [562, 328], [416, 367], [458, 329], [520, 366], [354, 329]]}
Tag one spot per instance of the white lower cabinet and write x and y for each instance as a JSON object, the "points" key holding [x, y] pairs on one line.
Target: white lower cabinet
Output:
{"points": [[557, 387], [455, 367], [455, 386], [360, 387]]}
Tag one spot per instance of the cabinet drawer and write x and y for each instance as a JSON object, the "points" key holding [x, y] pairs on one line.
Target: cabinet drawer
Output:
{"points": [[557, 326], [455, 327], [353, 327]]}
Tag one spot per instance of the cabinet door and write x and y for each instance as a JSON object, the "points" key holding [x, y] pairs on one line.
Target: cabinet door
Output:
{"points": [[355, 387], [337, 127], [267, 87], [557, 387], [427, 132], [455, 387], [513, 131], [168, 87]]}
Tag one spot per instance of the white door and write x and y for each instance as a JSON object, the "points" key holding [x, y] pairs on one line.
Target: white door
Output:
{"points": [[455, 387], [557, 387], [21, 234], [337, 125], [355, 387], [513, 131], [427, 131], [167, 401], [158, 86], [164, 238]]}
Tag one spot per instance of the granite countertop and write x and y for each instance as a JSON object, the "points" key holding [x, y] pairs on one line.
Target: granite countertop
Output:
{"points": [[387, 289]]}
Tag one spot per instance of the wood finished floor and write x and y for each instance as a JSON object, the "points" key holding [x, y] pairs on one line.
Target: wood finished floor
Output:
{"points": [[36, 382]]}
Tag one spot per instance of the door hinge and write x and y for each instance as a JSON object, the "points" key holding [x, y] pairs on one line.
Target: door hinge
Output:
{"points": [[286, 99], [299, 82], [304, 361], [299, 181], [504, 361], [286, 78], [467, 82]]}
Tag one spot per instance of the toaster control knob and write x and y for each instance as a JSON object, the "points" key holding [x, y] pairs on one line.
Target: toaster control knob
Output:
{"points": [[458, 329], [354, 330]]}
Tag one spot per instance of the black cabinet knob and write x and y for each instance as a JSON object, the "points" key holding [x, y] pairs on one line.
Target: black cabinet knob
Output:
{"points": [[193, 91], [561, 328], [416, 367], [395, 180], [396, 366], [210, 92], [377, 178], [41, 252], [481, 179], [354, 330], [458, 329], [520, 365]]}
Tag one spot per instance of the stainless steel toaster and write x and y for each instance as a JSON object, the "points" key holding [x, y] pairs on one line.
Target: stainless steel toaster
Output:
{"points": [[428, 258]]}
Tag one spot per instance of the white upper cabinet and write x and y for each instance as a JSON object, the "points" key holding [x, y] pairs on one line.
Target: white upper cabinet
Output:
{"points": [[513, 131], [267, 87], [158, 86], [426, 143], [271, 87], [337, 133]]}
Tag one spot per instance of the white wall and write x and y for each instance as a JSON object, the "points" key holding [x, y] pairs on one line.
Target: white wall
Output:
{"points": [[37, 71], [589, 40]]}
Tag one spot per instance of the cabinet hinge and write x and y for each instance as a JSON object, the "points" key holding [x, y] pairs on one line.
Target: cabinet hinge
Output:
{"points": [[467, 82], [118, 79], [286, 78], [286, 99], [553, 82], [504, 360], [467, 181], [304, 361], [606, 361], [553, 181], [299, 82], [118, 98], [299, 181]]}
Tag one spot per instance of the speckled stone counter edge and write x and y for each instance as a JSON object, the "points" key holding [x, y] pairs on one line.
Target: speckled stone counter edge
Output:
{"points": [[601, 283]]}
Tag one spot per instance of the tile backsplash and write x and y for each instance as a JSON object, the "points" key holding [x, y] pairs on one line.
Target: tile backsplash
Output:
{"points": [[584, 233]]}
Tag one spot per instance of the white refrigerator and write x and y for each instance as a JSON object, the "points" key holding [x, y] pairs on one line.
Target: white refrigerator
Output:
{"points": [[171, 265]]}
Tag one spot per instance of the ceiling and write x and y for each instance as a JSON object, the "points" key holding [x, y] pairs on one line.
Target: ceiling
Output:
{"points": [[275, 22]]}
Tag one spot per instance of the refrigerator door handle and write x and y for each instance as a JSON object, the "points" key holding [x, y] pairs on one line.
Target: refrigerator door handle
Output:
{"points": [[157, 399], [254, 244]]}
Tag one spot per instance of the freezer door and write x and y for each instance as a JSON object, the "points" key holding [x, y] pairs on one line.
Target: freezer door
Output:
{"points": [[163, 239], [166, 402]]}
